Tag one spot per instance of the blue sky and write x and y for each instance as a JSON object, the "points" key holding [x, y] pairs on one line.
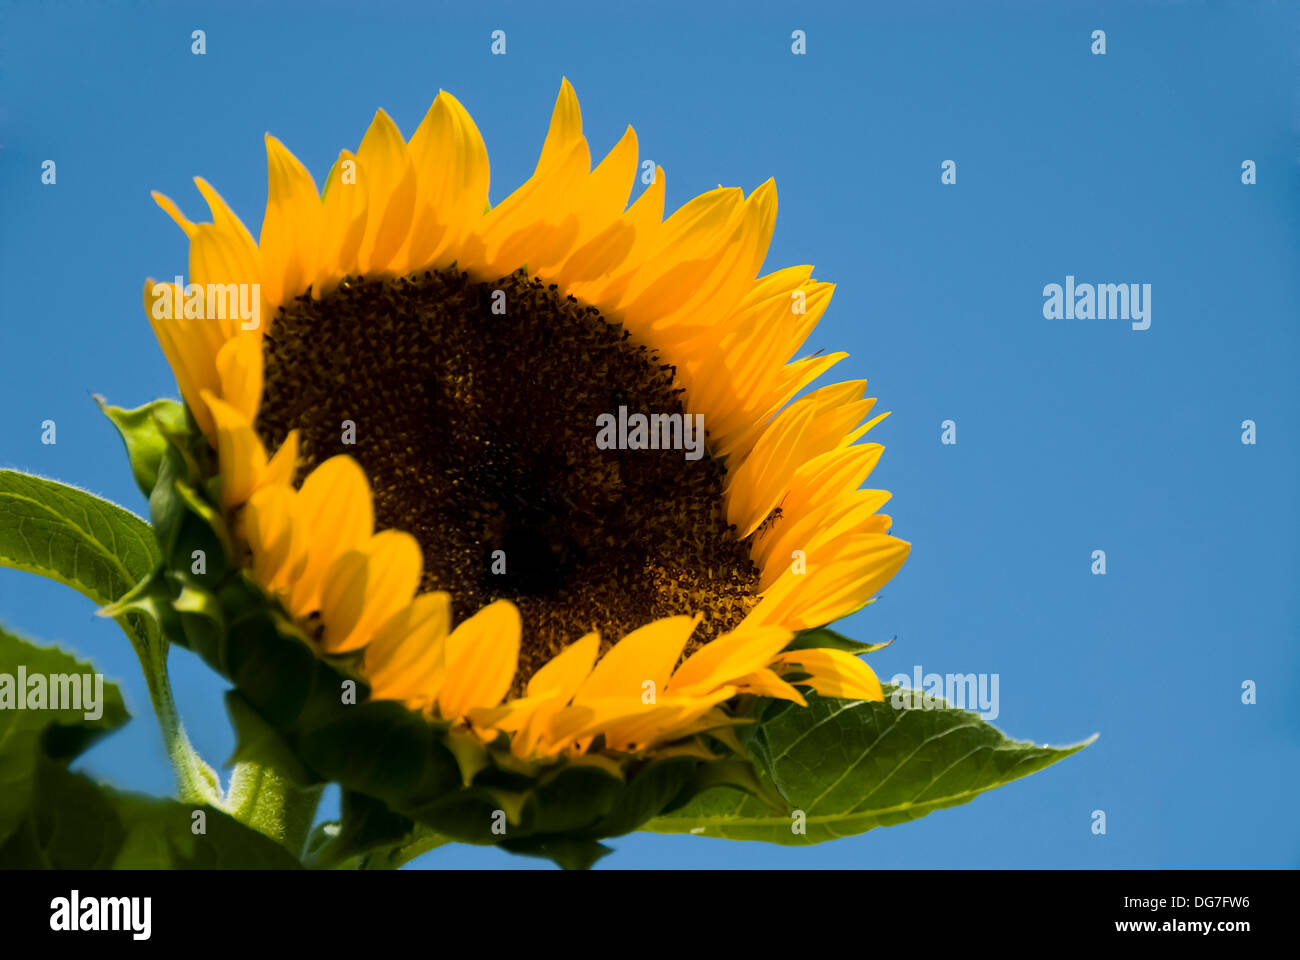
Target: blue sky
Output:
{"points": [[1073, 435]]}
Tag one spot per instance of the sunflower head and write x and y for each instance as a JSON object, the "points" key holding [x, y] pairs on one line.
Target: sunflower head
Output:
{"points": [[506, 506]]}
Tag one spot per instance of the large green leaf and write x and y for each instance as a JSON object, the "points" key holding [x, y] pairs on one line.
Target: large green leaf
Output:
{"points": [[52, 817], [28, 733], [80, 540], [851, 765], [75, 823], [105, 552], [72, 536]]}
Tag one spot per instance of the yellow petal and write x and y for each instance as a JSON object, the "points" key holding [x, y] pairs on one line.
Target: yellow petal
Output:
{"points": [[564, 673], [835, 673], [192, 360], [757, 486], [451, 169], [698, 232], [767, 683], [367, 586], [334, 512], [239, 452], [841, 577], [728, 657], [510, 716], [291, 226], [225, 220], [811, 531], [391, 190], [268, 529], [604, 195], [239, 365], [220, 264], [646, 655], [344, 214], [661, 722], [482, 655], [405, 659], [283, 465], [565, 129], [173, 211]]}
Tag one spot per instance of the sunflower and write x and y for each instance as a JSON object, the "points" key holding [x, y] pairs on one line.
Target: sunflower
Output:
{"points": [[406, 448]]}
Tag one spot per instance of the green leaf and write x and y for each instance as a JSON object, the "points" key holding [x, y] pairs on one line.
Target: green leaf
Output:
{"points": [[822, 638], [160, 834], [851, 765], [27, 734], [82, 541], [75, 823], [72, 536], [106, 553], [51, 817]]}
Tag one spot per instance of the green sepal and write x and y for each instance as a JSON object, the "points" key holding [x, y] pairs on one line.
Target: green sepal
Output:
{"points": [[576, 799], [144, 431], [569, 853], [470, 754], [166, 509], [824, 637], [366, 828], [165, 447], [510, 802], [741, 776], [201, 620], [391, 856], [210, 533], [657, 787], [382, 749]]}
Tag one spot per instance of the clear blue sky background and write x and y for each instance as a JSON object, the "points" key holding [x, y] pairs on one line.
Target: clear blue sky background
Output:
{"points": [[1073, 435]]}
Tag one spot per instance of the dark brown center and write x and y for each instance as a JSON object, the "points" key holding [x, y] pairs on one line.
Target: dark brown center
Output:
{"points": [[473, 408]]}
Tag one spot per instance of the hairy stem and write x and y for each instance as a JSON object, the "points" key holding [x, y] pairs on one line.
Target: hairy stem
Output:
{"points": [[196, 781], [264, 799]]}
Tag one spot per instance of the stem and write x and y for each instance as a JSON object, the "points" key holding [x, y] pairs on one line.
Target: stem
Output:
{"points": [[196, 781], [260, 797]]}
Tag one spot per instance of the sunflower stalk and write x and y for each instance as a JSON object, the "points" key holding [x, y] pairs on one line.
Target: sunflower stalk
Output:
{"points": [[196, 780], [263, 798]]}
